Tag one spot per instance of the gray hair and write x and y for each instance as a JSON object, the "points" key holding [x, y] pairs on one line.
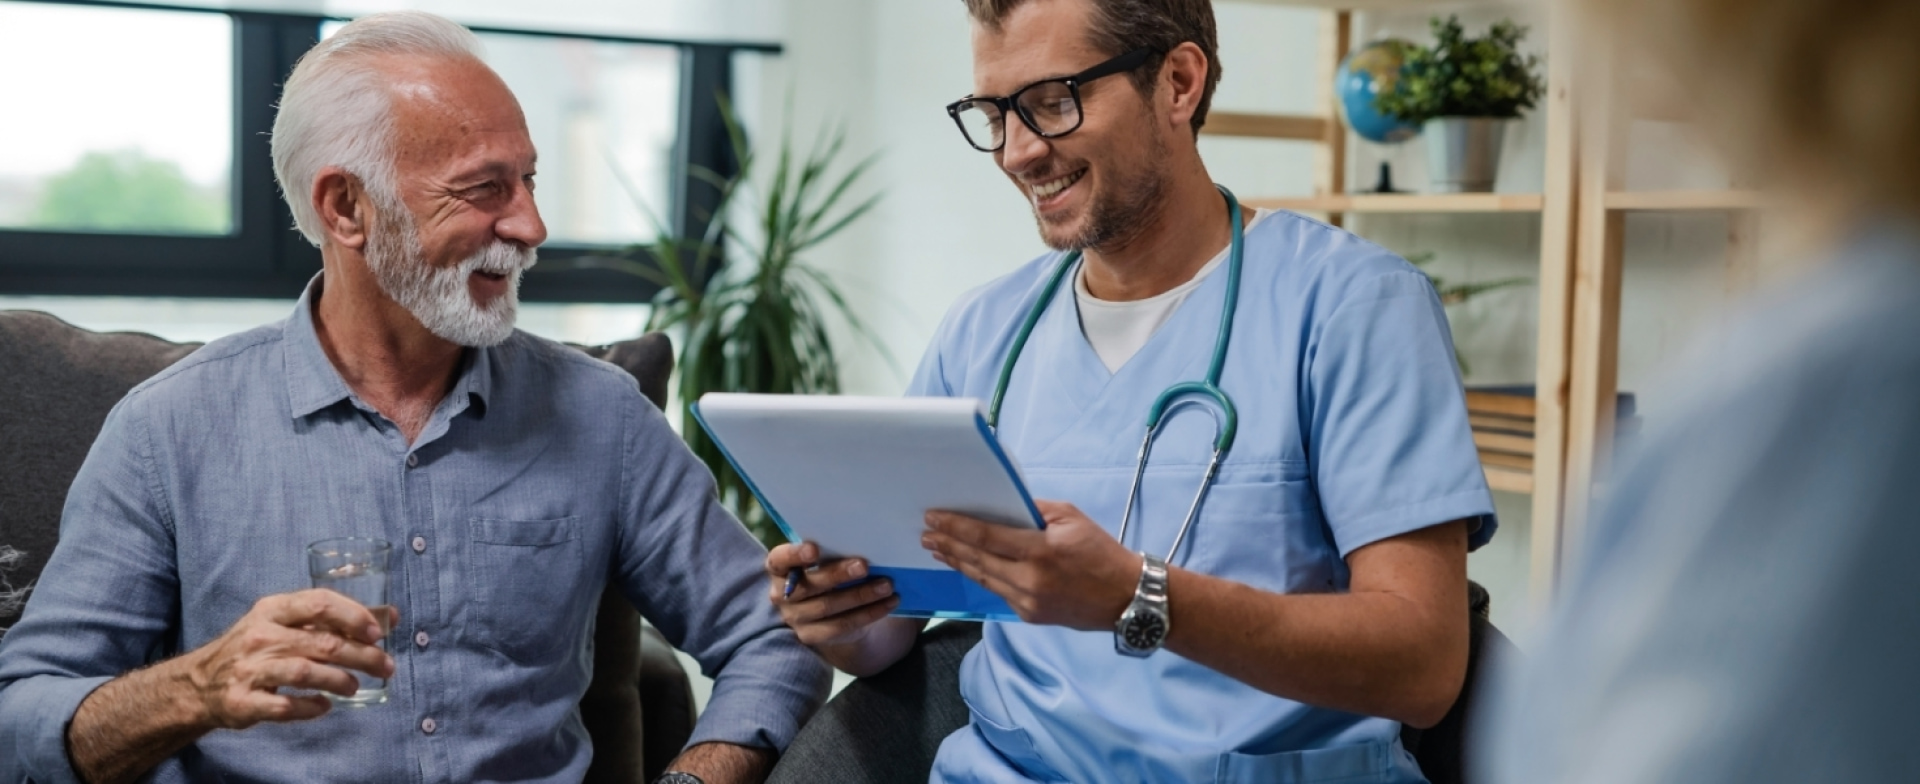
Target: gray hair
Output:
{"points": [[336, 109]]}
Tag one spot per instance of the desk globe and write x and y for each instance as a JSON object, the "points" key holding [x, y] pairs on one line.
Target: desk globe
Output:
{"points": [[1367, 72]]}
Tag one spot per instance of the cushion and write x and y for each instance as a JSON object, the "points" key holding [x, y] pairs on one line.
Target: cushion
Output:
{"points": [[59, 383]]}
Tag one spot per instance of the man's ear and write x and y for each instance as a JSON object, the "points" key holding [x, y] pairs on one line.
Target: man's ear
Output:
{"points": [[1183, 76], [338, 200]]}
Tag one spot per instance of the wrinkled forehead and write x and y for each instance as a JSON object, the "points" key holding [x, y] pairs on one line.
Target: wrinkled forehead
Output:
{"points": [[1040, 39], [446, 110]]}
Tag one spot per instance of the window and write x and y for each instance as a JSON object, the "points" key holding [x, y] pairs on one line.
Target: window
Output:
{"points": [[145, 171], [602, 115], [149, 151]]}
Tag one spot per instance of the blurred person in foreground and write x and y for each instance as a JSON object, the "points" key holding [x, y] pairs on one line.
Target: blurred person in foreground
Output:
{"points": [[1748, 606], [516, 476]]}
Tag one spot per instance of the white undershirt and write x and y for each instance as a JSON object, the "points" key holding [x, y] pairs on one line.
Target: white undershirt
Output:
{"points": [[1117, 330]]}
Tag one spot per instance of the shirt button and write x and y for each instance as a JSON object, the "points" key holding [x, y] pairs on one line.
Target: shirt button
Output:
{"points": [[427, 725], [419, 544], [420, 639], [413, 459]]}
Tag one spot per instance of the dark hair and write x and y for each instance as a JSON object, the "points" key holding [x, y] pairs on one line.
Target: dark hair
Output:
{"points": [[1125, 25]]}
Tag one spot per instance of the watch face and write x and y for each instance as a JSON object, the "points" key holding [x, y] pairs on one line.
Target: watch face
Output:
{"points": [[1145, 630]]}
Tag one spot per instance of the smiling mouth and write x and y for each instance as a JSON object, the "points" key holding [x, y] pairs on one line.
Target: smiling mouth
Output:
{"points": [[1047, 190], [494, 276]]}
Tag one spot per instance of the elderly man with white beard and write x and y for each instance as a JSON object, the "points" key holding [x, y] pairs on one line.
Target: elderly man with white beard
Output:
{"points": [[170, 636]]}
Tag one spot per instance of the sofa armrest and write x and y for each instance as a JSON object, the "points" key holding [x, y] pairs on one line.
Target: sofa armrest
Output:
{"points": [[667, 699]]}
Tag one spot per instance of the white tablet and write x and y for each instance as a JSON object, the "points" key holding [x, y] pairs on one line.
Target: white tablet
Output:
{"points": [[856, 476]]}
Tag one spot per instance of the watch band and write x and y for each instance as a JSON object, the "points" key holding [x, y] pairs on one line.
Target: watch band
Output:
{"points": [[1143, 626], [1153, 580], [678, 777]]}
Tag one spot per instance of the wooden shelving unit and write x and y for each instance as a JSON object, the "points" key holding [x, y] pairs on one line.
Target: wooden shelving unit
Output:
{"points": [[1684, 201], [1508, 479], [1370, 5], [1614, 92], [1582, 209], [1408, 203], [1269, 126]]}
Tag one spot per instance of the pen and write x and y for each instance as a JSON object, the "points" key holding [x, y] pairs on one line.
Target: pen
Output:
{"points": [[793, 579]]}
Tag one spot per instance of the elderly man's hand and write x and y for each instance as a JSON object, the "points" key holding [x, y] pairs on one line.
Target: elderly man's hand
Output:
{"points": [[1071, 574], [296, 640]]}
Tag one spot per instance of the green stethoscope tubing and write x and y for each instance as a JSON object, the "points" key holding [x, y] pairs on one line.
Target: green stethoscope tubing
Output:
{"points": [[1226, 421]]}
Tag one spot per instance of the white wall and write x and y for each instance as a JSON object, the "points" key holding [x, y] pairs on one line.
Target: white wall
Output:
{"points": [[949, 220]]}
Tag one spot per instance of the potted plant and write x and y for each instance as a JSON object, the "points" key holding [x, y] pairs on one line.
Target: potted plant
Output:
{"points": [[759, 322], [1463, 91], [1452, 294]]}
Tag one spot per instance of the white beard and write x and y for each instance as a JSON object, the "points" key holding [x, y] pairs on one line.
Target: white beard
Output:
{"points": [[439, 297]]}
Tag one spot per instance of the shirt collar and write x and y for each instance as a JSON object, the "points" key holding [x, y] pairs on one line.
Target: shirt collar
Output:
{"points": [[476, 380], [313, 383]]}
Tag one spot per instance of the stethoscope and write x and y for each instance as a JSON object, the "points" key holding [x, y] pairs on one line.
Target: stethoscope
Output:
{"points": [[1225, 420]]}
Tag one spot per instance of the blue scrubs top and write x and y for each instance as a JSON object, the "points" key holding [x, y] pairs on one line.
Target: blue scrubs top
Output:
{"points": [[1353, 429]]}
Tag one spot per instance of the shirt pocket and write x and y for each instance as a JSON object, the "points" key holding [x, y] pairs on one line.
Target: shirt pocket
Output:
{"points": [[1360, 763], [1260, 527], [524, 576], [1010, 742]]}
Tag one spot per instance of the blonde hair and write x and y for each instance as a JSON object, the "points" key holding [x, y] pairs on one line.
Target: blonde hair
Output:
{"points": [[1822, 96], [336, 109]]}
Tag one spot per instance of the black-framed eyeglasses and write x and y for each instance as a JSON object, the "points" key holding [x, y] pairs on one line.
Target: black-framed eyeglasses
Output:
{"points": [[1050, 107]]}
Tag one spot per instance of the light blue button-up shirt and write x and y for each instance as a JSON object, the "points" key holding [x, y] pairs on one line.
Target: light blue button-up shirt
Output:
{"points": [[542, 477]]}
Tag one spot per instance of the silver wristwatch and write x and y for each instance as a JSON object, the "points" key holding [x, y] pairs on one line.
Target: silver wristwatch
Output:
{"points": [[1143, 627]]}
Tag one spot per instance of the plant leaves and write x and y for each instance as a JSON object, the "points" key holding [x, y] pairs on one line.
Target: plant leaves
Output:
{"points": [[1465, 77], [763, 322]]}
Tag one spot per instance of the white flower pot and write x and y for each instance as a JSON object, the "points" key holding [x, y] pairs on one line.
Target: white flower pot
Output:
{"points": [[1463, 153]]}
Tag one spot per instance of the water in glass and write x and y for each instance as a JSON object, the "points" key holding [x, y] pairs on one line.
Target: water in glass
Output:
{"points": [[366, 584]]}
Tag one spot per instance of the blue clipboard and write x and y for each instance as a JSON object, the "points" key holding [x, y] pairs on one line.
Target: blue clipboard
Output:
{"points": [[813, 462]]}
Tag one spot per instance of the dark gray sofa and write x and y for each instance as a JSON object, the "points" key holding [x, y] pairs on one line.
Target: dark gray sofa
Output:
{"points": [[57, 383]]}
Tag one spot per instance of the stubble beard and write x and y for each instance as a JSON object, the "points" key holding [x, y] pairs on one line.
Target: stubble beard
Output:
{"points": [[438, 296], [1121, 212]]}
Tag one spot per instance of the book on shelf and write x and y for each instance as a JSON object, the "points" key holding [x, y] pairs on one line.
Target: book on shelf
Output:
{"points": [[1502, 418], [1516, 401]]}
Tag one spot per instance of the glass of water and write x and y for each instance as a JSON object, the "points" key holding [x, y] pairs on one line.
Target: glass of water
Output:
{"points": [[357, 568]]}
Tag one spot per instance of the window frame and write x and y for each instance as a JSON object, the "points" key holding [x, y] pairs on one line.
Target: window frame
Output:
{"points": [[265, 257]]}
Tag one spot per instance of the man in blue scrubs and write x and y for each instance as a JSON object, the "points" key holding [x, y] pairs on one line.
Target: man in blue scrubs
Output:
{"points": [[1319, 600]]}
